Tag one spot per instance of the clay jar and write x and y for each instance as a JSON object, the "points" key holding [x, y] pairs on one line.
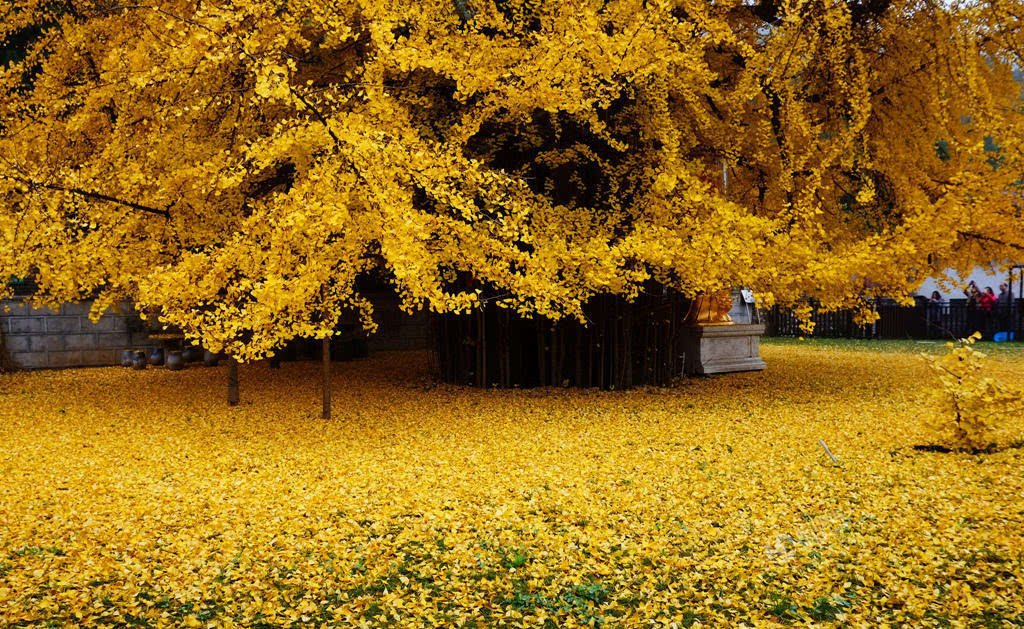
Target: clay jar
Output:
{"points": [[156, 357], [139, 360], [127, 356], [175, 361], [192, 354], [210, 359]]}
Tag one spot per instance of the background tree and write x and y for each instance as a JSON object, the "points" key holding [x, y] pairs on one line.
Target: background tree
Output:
{"points": [[238, 165]]}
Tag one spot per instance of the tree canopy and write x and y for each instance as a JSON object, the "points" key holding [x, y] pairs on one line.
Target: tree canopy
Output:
{"points": [[239, 165]]}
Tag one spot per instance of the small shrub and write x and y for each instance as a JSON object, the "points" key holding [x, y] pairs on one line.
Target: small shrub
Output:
{"points": [[974, 407]]}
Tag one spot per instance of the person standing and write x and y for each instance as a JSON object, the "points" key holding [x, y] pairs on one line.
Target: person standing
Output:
{"points": [[1004, 308], [986, 300], [1004, 295], [986, 304], [973, 316], [933, 312]]}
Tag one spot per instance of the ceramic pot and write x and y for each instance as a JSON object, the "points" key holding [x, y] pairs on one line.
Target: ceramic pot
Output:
{"points": [[210, 359], [156, 357], [192, 354], [139, 360], [175, 361], [127, 356], [359, 345]]}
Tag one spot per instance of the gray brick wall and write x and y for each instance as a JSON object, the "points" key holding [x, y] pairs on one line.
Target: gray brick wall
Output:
{"points": [[397, 330], [39, 338], [45, 338]]}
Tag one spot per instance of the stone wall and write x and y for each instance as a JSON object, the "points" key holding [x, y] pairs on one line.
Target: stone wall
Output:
{"points": [[45, 338], [397, 330], [37, 338], [40, 338]]}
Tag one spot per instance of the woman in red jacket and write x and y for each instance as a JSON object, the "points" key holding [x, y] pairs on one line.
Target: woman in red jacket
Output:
{"points": [[986, 300]]}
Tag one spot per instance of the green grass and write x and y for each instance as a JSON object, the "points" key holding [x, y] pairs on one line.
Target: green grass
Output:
{"points": [[892, 345]]}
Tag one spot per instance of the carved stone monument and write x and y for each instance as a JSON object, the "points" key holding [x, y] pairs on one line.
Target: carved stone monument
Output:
{"points": [[714, 343]]}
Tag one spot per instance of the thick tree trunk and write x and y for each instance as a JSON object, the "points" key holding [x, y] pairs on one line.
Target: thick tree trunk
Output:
{"points": [[623, 344]]}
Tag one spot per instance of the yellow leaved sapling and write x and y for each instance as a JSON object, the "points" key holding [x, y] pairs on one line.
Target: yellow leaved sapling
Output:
{"points": [[973, 408]]}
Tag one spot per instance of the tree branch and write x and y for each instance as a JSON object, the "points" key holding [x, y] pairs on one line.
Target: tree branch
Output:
{"points": [[996, 241], [316, 112], [92, 195]]}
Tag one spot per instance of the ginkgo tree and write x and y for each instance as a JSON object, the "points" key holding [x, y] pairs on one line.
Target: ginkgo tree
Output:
{"points": [[237, 166]]}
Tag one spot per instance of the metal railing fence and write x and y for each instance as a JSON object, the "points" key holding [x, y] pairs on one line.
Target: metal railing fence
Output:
{"points": [[951, 320]]}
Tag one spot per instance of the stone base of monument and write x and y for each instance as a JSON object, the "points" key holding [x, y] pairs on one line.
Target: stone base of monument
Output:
{"points": [[722, 348]]}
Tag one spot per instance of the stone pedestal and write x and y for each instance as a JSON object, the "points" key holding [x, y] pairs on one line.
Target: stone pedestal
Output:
{"points": [[722, 348]]}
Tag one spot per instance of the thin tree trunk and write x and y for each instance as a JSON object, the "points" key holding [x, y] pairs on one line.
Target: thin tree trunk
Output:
{"points": [[5, 361], [588, 340], [563, 332], [438, 338], [671, 345], [628, 346], [553, 355], [615, 379], [504, 322], [482, 351], [468, 368], [647, 341], [232, 381], [540, 350], [517, 358], [326, 413], [602, 341], [655, 340], [577, 354]]}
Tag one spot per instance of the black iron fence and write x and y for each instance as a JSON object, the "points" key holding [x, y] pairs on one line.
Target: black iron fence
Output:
{"points": [[921, 321]]}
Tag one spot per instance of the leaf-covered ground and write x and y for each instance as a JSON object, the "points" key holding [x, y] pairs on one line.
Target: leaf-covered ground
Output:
{"points": [[139, 498]]}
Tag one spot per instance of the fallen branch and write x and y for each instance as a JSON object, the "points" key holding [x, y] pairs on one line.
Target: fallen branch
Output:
{"points": [[829, 453]]}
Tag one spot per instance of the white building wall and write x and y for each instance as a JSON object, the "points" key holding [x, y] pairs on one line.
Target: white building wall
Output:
{"points": [[982, 277]]}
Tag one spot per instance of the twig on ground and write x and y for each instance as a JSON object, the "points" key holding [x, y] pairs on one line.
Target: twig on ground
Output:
{"points": [[829, 452]]}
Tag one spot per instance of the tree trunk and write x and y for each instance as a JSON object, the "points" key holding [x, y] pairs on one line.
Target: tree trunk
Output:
{"points": [[602, 343], [326, 412], [232, 381], [621, 345], [577, 351], [5, 361], [482, 348], [540, 351], [627, 377], [553, 355]]}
